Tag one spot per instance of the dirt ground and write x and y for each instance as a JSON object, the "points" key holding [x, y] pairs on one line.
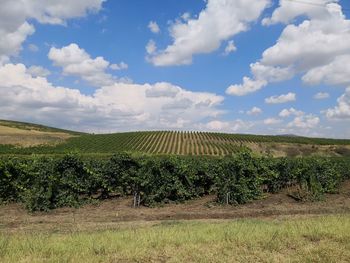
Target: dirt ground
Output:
{"points": [[113, 214], [293, 149]]}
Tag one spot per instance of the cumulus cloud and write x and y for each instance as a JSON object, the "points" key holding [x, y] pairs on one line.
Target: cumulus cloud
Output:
{"points": [[289, 10], [342, 110], [290, 112], [284, 98], [248, 86], [230, 48], [262, 76], [309, 121], [336, 72], [254, 111], [151, 47], [122, 65], [272, 121], [11, 42], [75, 61], [117, 107], [162, 89], [228, 126], [15, 18], [218, 22], [38, 71], [321, 96], [153, 26], [317, 48]]}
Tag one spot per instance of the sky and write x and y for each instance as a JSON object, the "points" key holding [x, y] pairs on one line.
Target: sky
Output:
{"points": [[235, 66]]}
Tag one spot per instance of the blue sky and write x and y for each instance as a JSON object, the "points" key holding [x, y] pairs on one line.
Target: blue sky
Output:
{"points": [[85, 66]]}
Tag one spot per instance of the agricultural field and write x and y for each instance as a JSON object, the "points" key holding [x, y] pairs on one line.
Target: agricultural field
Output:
{"points": [[19, 138], [170, 196]]}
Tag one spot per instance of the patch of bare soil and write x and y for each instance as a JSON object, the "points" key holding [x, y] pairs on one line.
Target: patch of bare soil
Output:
{"points": [[112, 214], [294, 149]]}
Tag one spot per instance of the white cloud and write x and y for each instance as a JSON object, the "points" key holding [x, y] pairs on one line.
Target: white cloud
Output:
{"points": [[309, 121], [162, 89], [153, 26], [316, 48], [336, 72], [218, 125], [262, 75], [230, 47], [117, 107], [248, 86], [186, 16], [227, 126], [38, 71], [15, 18], [75, 61], [272, 121], [284, 98], [288, 10], [151, 47], [271, 73], [289, 112], [218, 22], [321, 96], [122, 65], [342, 110], [11, 42], [254, 111]]}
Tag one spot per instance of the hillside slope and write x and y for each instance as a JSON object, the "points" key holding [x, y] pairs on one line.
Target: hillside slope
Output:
{"points": [[46, 140], [28, 134]]}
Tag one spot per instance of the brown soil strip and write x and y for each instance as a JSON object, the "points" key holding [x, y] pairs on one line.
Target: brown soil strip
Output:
{"points": [[110, 214]]}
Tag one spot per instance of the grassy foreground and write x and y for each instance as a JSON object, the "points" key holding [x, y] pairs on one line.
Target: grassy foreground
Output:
{"points": [[313, 239]]}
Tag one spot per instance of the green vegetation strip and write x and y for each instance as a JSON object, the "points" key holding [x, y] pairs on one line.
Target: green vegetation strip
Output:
{"points": [[186, 143], [318, 239], [44, 183]]}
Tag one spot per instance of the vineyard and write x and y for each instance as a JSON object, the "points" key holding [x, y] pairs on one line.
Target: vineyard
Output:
{"points": [[178, 143], [43, 183]]}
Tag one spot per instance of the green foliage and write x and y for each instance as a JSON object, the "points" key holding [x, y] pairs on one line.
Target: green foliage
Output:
{"points": [[315, 177], [44, 183], [239, 179], [14, 178], [42, 191], [171, 179]]}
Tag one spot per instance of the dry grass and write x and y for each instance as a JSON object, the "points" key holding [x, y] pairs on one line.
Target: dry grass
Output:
{"points": [[315, 239], [27, 137], [293, 150], [276, 229]]}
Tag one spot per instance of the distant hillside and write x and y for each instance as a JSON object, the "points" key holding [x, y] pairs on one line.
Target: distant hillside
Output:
{"points": [[24, 134], [36, 127], [171, 142]]}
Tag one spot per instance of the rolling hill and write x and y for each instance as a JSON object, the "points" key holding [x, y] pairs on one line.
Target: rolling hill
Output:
{"points": [[27, 138]]}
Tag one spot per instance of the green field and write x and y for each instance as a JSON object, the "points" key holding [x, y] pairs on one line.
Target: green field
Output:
{"points": [[313, 239], [179, 143]]}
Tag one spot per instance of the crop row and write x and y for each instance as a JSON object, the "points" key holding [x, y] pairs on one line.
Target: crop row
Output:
{"points": [[43, 183], [165, 142]]}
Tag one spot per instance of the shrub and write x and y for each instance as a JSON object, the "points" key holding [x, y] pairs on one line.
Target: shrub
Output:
{"points": [[47, 183], [239, 180]]}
